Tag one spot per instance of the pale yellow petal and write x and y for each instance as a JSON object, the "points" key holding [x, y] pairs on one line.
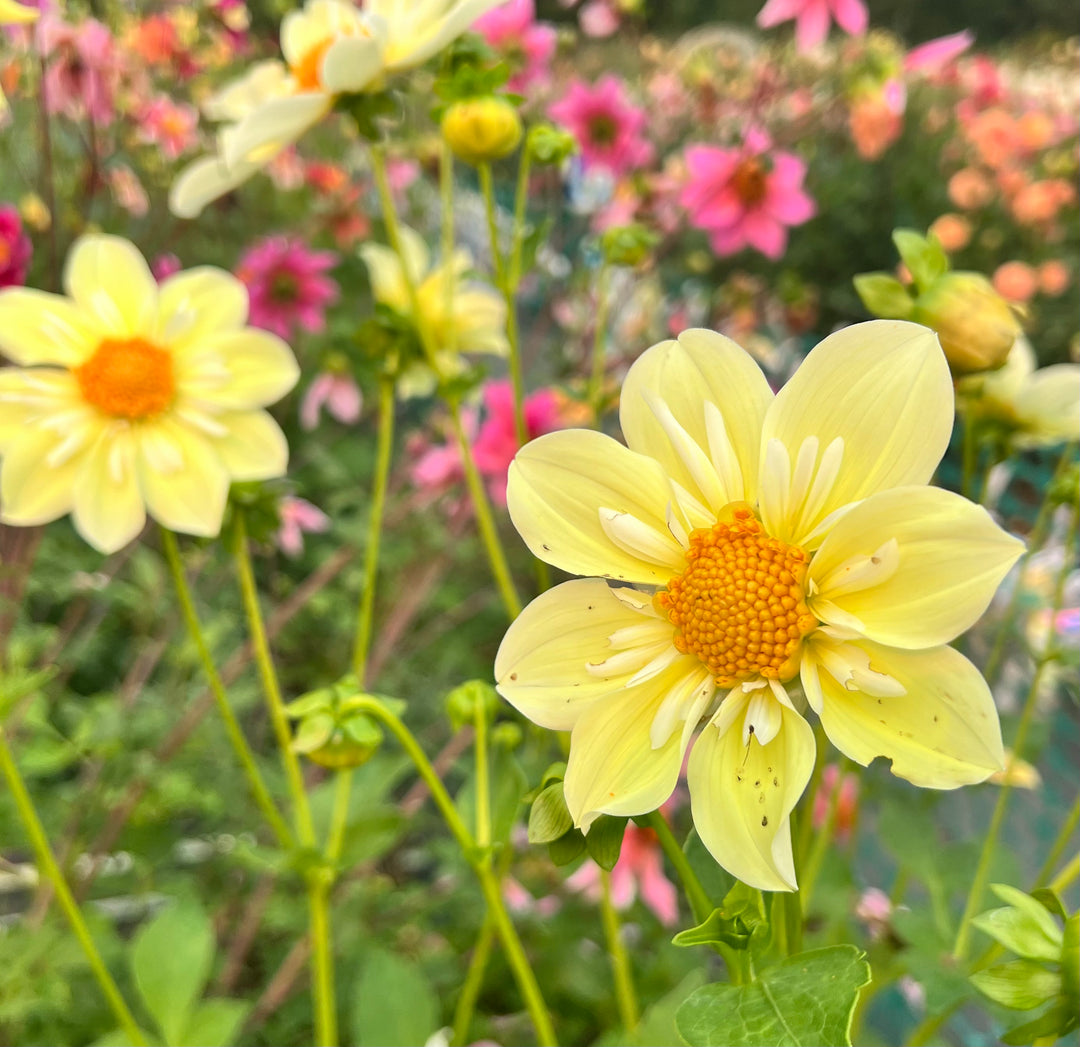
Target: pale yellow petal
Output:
{"points": [[277, 123], [204, 181], [558, 486], [414, 38], [701, 367], [31, 490], [199, 303], [182, 479], [613, 767], [351, 63], [41, 328], [942, 733], [263, 80], [108, 507], [255, 447], [38, 395], [479, 319], [742, 793], [541, 666], [12, 13], [952, 557], [238, 369], [111, 281], [883, 388], [1047, 406]]}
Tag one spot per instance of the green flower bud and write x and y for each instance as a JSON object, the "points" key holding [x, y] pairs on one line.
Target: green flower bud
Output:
{"points": [[480, 130], [550, 145], [334, 730], [973, 322], [506, 736], [627, 244], [462, 703]]}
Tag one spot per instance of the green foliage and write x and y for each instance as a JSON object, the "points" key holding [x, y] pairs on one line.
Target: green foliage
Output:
{"points": [[378, 1018]]}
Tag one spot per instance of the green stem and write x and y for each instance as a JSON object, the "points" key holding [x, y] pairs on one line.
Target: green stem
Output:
{"points": [[521, 200], [1059, 845], [625, 996], [1064, 878], [483, 784], [596, 380], [487, 191], [322, 960], [339, 815], [982, 871], [305, 830], [474, 980], [821, 842], [489, 879], [48, 866], [383, 450], [232, 728], [805, 833], [700, 903]]}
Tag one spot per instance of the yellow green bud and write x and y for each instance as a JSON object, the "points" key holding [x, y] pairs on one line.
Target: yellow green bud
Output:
{"points": [[973, 322], [480, 130], [464, 702]]}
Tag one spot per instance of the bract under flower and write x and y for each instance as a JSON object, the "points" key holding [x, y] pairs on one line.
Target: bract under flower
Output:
{"points": [[813, 503]]}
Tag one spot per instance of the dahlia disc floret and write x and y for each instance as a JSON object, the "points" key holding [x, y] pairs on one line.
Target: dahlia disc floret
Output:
{"points": [[756, 558], [129, 398]]}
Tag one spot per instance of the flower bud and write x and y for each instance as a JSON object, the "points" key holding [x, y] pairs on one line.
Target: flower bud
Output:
{"points": [[480, 130], [627, 244], [334, 730], [463, 703], [550, 145], [973, 322]]}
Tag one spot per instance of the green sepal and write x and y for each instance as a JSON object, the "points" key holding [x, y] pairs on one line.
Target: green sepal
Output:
{"points": [[884, 296], [549, 818], [1020, 985], [604, 840], [923, 255]]}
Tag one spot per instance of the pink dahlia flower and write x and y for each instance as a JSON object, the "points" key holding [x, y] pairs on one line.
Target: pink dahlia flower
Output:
{"points": [[606, 124], [171, 126], [512, 30], [812, 18], [15, 248], [83, 73], [298, 516], [338, 393], [745, 197], [287, 285]]}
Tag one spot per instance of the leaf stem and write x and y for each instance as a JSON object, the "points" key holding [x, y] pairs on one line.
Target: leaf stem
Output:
{"points": [[625, 996]]}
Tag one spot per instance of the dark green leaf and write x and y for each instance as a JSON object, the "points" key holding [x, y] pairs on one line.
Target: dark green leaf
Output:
{"points": [[604, 840]]}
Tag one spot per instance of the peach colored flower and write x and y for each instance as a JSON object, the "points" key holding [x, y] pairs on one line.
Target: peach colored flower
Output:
{"points": [[953, 232], [1015, 281], [1053, 277], [874, 125], [970, 189], [995, 136]]}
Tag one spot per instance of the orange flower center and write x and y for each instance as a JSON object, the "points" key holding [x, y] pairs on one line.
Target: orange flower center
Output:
{"points": [[306, 71], [128, 378], [740, 605], [749, 181]]}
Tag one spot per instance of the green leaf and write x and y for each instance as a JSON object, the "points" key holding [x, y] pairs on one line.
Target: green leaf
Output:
{"points": [[604, 840], [566, 848], [215, 1024], [922, 255], [805, 1001], [883, 295], [549, 818], [1019, 933], [1020, 984], [1057, 1021], [170, 962], [732, 923], [394, 1004]]}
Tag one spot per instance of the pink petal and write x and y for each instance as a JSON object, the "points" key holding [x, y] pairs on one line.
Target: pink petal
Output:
{"points": [[939, 52], [766, 234], [790, 206], [623, 888], [314, 398], [777, 11], [728, 241], [657, 891], [788, 171], [723, 210], [812, 25], [345, 401], [850, 15]]}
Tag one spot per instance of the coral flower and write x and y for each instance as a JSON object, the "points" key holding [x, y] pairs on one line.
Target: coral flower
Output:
{"points": [[131, 398], [331, 48], [745, 197], [456, 315], [740, 543], [287, 285], [512, 29], [812, 18], [606, 124]]}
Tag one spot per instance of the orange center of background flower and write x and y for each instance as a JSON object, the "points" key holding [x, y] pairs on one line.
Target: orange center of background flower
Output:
{"points": [[306, 71], [740, 605], [128, 378], [749, 182]]}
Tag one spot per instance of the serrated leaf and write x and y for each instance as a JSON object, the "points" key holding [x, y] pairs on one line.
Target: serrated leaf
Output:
{"points": [[216, 1023], [548, 817], [805, 1001], [394, 1004], [170, 962], [604, 840], [1020, 984]]}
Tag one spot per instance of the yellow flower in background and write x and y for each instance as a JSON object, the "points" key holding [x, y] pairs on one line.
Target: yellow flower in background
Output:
{"points": [[331, 48], [1037, 407], [457, 315], [12, 13], [743, 543], [129, 398]]}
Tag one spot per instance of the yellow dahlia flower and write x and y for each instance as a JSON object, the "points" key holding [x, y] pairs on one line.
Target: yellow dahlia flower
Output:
{"points": [[457, 315], [331, 48], [741, 544], [131, 398], [12, 13]]}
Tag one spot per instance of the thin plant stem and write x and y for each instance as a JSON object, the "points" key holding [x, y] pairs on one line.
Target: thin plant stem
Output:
{"points": [[339, 815], [821, 842], [47, 864], [232, 728], [322, 960], [625, 997], [982, 870], [383, 450], [487, 191], [521, 200], [481, 506], [483, 783], [1059, 845], [48, 180], [1065, 878], [596, 379], [474, 980], [489, 879]]}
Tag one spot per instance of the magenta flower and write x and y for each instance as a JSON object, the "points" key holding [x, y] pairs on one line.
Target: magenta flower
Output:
{"points": [[512, 30], [83, 73], [812, 18], [640, 869], [15, 248], [172, 127], [298, 516], [745, 197], [606, 124], [287, 285], [335, 391]]}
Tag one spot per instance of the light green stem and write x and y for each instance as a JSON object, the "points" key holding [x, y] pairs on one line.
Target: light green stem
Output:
{"points": [[521, 200], [487, 191], [811, 870], [1064, 878], [596, 380], [474, 980], [232, 728], [483, 784], [489, 879], [47, 865], [481, 506], [625, 996], [322, 960], [969, 457], [1059, 845], [383, 450], [339, 815], [982, 871]]}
